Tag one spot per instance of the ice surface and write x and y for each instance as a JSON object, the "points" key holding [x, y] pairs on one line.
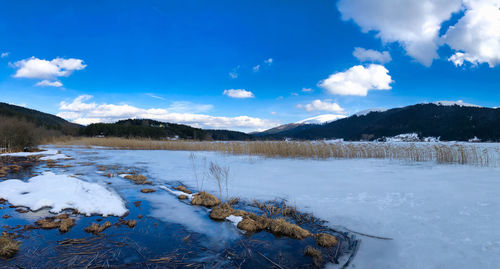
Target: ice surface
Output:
{"points": [[26, 154], [440, 216], [61, 192], [177, 193], [54, 157]]}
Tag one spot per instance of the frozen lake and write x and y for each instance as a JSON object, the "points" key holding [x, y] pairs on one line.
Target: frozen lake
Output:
{"points": [[439, 216]]}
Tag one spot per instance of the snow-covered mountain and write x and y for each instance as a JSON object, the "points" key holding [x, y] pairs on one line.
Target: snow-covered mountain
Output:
{"points": [[321, 119], [454, 103], [368, 111]]}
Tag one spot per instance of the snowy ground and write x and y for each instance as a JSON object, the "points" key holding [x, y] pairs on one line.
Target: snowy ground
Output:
{"points": [[440, 216]]}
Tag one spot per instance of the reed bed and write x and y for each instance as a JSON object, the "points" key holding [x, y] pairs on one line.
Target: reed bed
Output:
{"points": [[451, 153]]}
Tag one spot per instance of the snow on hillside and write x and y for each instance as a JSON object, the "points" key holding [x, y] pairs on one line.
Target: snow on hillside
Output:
{"points": [[321, 119], [439, 216], [368, 111], [454, 103]]}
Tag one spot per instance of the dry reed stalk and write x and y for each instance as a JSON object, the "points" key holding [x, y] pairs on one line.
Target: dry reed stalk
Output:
{"points": [[453, 153]]}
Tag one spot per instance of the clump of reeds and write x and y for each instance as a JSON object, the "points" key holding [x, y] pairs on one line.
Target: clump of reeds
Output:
{"points": [[205, 199], [326, 240], [62, 222], [315, 254], [221, 176], [95, 228], [459, 153], [183, 189], [147, 190], [138, 179], [8, 247]]}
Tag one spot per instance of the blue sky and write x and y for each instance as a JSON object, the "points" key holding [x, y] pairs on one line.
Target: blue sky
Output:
{"points": [[173, 60]]}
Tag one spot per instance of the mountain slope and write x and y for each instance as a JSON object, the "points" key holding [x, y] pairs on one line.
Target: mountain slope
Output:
{"points": [[450, 122], [40, 119]]}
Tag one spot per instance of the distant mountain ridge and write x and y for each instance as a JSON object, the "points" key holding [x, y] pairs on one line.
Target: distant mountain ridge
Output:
{"points": [[450, 121]]}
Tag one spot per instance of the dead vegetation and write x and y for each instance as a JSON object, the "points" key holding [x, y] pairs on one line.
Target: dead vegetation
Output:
{"points": [[138, 179], [326, 240], [460, 153], [62, 222], [221, 212], [183, 189], [315, 254], [205, 199], [96, 229], [8, 247], [129, 223], [182, 197], [148, 190]]}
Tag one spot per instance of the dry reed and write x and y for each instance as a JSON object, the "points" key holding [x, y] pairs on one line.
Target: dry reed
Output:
{"points": [[457, 153]]}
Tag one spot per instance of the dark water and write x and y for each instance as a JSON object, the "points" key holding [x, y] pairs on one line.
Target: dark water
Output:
{"points": [[171, 233]]}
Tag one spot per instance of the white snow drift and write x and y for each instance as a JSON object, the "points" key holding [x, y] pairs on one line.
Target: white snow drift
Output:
{"points": [[61, 192]]}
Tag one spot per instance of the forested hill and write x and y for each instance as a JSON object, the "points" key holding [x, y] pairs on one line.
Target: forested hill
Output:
{"points": [[39, 119], [134, 128], [451, 123]]}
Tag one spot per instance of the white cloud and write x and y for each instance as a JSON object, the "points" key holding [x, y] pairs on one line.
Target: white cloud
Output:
{"points": [[318, 105], [48, 83], [4, 54], [269, 61], [370, 55], [358, 80], [476, 36], [415, 24], [234, 73], [85, 113], [78, 104], [238, 93], [43, 69], [256, 68], [155, 96], [307, 90], [185, 106]]}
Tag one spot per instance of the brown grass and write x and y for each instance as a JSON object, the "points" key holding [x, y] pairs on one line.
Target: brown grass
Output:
{"points": [[183, 189], [460, 153], [138, 179], [205, 199], [182, 197], [315, 254], [95, 228], [221, 212], [62, 222], [8, 247], [282, 227], [148, 190], [326, 240]]}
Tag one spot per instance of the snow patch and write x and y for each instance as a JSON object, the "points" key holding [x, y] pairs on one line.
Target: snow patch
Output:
{"points": [[62, 192], [454, 103], [368, 111], [177, 193], [234, 219], [26, 154], [321, 119]]}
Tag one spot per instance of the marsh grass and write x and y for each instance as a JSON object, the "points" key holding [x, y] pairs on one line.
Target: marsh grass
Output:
{"points": [[456, 153]]}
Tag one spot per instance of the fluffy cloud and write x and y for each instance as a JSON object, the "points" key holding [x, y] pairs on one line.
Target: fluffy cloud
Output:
{"points": [[85, 113], [78, 104], [43, 69], [318, 105], [364, 55], [307, 90], [358, 80], [269, 61], [4, 54], [415, 24], [256, 68], [48, 83], [476, 36], [238, 93]]}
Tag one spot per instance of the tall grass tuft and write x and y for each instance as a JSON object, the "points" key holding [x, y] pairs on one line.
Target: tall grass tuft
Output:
{"points": [[452, 153]]}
